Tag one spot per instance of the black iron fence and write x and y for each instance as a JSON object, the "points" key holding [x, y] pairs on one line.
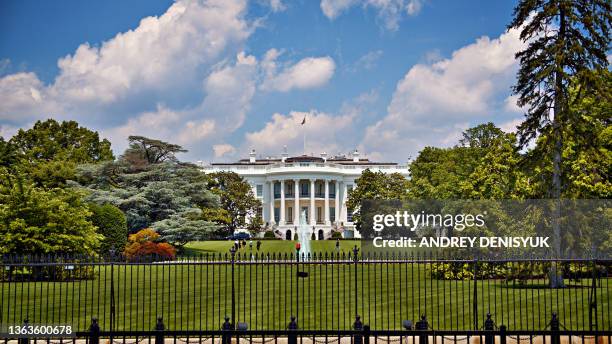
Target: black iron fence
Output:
{"points": [[322, 291]]}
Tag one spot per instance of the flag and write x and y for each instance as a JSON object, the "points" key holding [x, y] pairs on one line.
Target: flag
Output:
{"points": [[304, 120]]}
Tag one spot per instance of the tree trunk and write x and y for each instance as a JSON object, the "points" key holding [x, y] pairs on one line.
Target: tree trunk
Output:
{"points": [[555, 278]]}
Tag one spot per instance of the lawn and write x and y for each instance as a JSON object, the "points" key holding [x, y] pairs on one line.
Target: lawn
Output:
{"points": [[269, 246], [191, 295]]}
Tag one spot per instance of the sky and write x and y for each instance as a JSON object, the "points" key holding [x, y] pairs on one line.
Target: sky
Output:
{"points": [[222, 77]]}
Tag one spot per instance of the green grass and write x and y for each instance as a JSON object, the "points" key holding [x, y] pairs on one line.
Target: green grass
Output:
{"points": [[268, 246], [194, 296]]}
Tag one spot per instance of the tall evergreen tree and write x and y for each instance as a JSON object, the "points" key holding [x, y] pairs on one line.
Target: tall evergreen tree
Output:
{"points": [[566, 42]]}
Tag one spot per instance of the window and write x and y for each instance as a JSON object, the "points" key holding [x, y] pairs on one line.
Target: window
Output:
{"points": [[259, 190], [304, 190], [349, 216], [276, 215], [320, 190], [276, 190], [289, 214], [332, 190], [259, 212], [289, 189], [332, 214], [349, 187], [319, 215]]}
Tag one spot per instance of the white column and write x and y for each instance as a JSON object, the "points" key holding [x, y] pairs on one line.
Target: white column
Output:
{"points": [[282, 205], [337, 202], [326, 212], [344, 198], [272, 202], [313, 216], [296, 207]]}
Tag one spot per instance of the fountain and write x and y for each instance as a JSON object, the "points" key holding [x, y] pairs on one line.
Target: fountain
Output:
{"points": [[303, 233]]}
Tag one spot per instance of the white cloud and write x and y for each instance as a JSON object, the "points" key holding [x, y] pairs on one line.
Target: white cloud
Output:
{"points": [[229, 91], [333, 8], [323, 132], [223, 149], [185, 59], [190, 34], [390, 12], [309, 72], [433, 103], [414, 7], [276, 5], [366, 61], [511, 126]]}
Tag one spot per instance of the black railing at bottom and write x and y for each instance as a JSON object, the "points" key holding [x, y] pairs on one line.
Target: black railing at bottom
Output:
{"points": [[340, 336], [360, 334]]}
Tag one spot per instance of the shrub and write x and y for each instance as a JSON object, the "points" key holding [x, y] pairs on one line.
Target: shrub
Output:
{"points": [[269, 235], [336, 235], [111, 223], [143, 244]]}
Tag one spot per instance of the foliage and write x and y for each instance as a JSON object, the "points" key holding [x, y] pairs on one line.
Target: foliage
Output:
{"points": [[148, 192], [144, 151], [49, 152], [567, 41], [376, 186], [111, 223], [336, 235], [181, 228], [269, 235], [236, 197], [34, 220], [144, 244]]}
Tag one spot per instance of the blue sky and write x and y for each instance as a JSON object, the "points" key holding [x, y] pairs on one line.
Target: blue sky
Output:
{"points": [[387, 77]]}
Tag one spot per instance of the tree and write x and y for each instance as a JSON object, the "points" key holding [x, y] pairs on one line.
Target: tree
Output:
{"points": [[567, 41], [236, 197], [146, 191], [375, 186], [143, 150], [34, 220], [111, 223], [8, 154], [49, 152], [180, 229], [144, 244]]}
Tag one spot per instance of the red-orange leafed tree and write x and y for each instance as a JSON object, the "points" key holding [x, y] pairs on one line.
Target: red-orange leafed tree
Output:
{"points": [[143, 243]]}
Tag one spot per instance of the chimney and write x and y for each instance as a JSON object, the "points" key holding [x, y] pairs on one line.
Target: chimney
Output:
{"points": [[252, 156], [356, 156], [324, 156], [285, 154]]}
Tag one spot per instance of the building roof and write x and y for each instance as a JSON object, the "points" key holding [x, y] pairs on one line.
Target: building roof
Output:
{"points": [[305, 158]]}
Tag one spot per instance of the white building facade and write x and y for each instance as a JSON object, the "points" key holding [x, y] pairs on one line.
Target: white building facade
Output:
{"points": [[314, 186]]}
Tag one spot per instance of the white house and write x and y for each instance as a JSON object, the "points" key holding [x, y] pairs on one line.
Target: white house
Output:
{"points": [[314, 186]]}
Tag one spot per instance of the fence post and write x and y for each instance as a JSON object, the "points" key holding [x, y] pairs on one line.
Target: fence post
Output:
{"points": [[94, 331], [355, 258], [159, 328], [366, 334], [593, 303], [291, 337], [422, 325], [475, 297], [25, 340], [489, 325], [555, 338], [502, 334], [112, 289], [233, 257], [358, 326], [227, 328]]}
